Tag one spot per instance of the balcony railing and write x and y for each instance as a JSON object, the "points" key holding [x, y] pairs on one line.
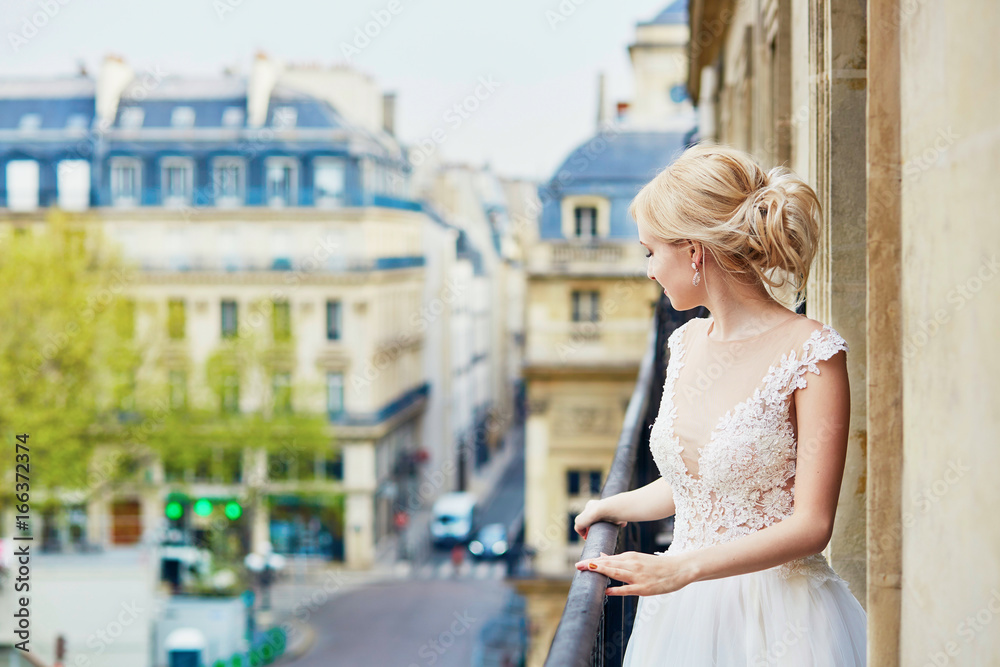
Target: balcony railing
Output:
{"points": [[594, 629]]}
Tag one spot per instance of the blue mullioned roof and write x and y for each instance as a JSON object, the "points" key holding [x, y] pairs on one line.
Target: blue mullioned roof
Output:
{"points": [[55, 113], [310, 113], [158, 113], [614, 165], [676, 12]]}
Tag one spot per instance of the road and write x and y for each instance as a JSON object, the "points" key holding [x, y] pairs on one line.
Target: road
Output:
{"points": [[430, 613]]}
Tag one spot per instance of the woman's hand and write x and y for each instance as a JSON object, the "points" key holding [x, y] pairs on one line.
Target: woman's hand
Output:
{"points": [[590, 515], [642, 574]]}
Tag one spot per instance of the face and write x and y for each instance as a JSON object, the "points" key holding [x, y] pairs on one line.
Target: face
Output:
{"points": [[669, 264]]}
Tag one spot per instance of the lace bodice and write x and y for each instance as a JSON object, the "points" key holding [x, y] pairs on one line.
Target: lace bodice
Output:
{"points": [[745, 474]]}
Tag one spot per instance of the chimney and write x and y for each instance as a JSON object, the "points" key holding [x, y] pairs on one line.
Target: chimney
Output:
{"points": [[389, 113], [264, 75], [600, 101], [622, 110], [112, 80]]}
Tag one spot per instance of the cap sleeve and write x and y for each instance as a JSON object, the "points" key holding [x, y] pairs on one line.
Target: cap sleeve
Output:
{"points": [[822, 344]]}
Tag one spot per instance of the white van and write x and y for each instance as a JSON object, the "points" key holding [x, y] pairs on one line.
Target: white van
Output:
{"points": [[452, 518]]}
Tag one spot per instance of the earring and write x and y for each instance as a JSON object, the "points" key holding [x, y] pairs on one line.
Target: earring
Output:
{"points": [[697, 275]]}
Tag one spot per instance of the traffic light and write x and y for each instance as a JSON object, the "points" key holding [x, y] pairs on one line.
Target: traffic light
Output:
{"points": [[174, 510], [203, 507], [233, 510]]}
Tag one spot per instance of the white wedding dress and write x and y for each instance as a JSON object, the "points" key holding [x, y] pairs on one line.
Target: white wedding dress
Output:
{"points": [[732, 474]]}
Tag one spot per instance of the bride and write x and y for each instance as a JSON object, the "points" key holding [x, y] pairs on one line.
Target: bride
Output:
{"points": [[751, 434]]}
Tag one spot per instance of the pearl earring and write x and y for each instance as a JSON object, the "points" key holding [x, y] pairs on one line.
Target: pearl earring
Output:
{"points": [[697, 275]]}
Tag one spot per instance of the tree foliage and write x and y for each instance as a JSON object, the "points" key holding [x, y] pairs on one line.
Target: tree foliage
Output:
{"points": [[79, 380]]}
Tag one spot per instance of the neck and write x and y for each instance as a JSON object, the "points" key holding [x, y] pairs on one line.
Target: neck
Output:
{"points": [[742, 311]]}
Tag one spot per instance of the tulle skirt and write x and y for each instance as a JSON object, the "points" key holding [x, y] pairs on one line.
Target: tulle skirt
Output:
{"points": [[768, 618]]}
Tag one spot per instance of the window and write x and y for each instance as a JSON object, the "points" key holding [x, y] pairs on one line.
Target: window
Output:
{"points": [[284, 117], [281, 242], [73, 183], [281, 320], [281, 390], [126, 175], [333, 465], [335, 393], [182, 117], [574, 478], [585, 220], [333, 330], [367, 175], [132, 117], [22, 185], [178, 181], [30, 122], [228, 319], [572, 536], [573, 482], [176, 319], [228, 182], [585, 305], [233, 117], [230, 393], [329, 183], [178, 389], [281, 181], [77, 121], [595, 482]]}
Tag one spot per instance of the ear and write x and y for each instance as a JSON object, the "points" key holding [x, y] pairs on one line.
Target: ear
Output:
{"points": [[695, 252]]}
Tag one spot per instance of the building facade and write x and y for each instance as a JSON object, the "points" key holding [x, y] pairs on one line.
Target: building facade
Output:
{"points": [[271, 206], [589, 302], [888, 110]]}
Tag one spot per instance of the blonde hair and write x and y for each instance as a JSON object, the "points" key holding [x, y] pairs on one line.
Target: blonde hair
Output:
{"points": [[753, 222]]}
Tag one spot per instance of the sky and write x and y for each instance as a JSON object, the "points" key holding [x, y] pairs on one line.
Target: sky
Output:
{"points": [[542, 57]]}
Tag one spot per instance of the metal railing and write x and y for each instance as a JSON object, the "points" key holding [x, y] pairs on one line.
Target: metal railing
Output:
{"points": [[594, 629]]}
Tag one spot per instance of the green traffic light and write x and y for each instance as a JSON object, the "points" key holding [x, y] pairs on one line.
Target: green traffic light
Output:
{"points": [[233, 510], [174, 510], [203, 507]]}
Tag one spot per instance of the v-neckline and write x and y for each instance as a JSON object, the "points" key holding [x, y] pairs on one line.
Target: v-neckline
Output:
{"points": [[677, 448]]}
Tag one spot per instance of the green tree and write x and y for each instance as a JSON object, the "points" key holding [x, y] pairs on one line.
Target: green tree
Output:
{"points": [[70, 362]]}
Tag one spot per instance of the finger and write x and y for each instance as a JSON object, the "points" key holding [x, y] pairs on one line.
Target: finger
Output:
{"points": [[620, 591]]}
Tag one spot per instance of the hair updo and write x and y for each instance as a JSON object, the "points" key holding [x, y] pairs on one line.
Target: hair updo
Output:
{"points": [[753, 222]]}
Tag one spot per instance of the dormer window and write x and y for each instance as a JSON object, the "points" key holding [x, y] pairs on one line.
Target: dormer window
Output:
{"points": [[585, 217], [132, 117], [233, 117], [585, 221], [182, 117], [77, 121], [30, 122], [284, 117]]}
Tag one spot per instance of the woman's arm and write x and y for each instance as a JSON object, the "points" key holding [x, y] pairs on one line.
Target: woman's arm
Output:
{"points": [[652, 502], [823, 411]]}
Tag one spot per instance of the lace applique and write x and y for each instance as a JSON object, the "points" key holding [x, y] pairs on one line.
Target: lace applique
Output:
{"points": [[746, 472]]}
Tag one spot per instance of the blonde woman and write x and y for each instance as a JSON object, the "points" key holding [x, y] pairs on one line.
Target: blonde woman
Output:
{"points": [[751, 434]]}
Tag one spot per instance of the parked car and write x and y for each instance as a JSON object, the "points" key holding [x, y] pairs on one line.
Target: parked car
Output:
{"points": [[452, 518], [490, 541]]}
